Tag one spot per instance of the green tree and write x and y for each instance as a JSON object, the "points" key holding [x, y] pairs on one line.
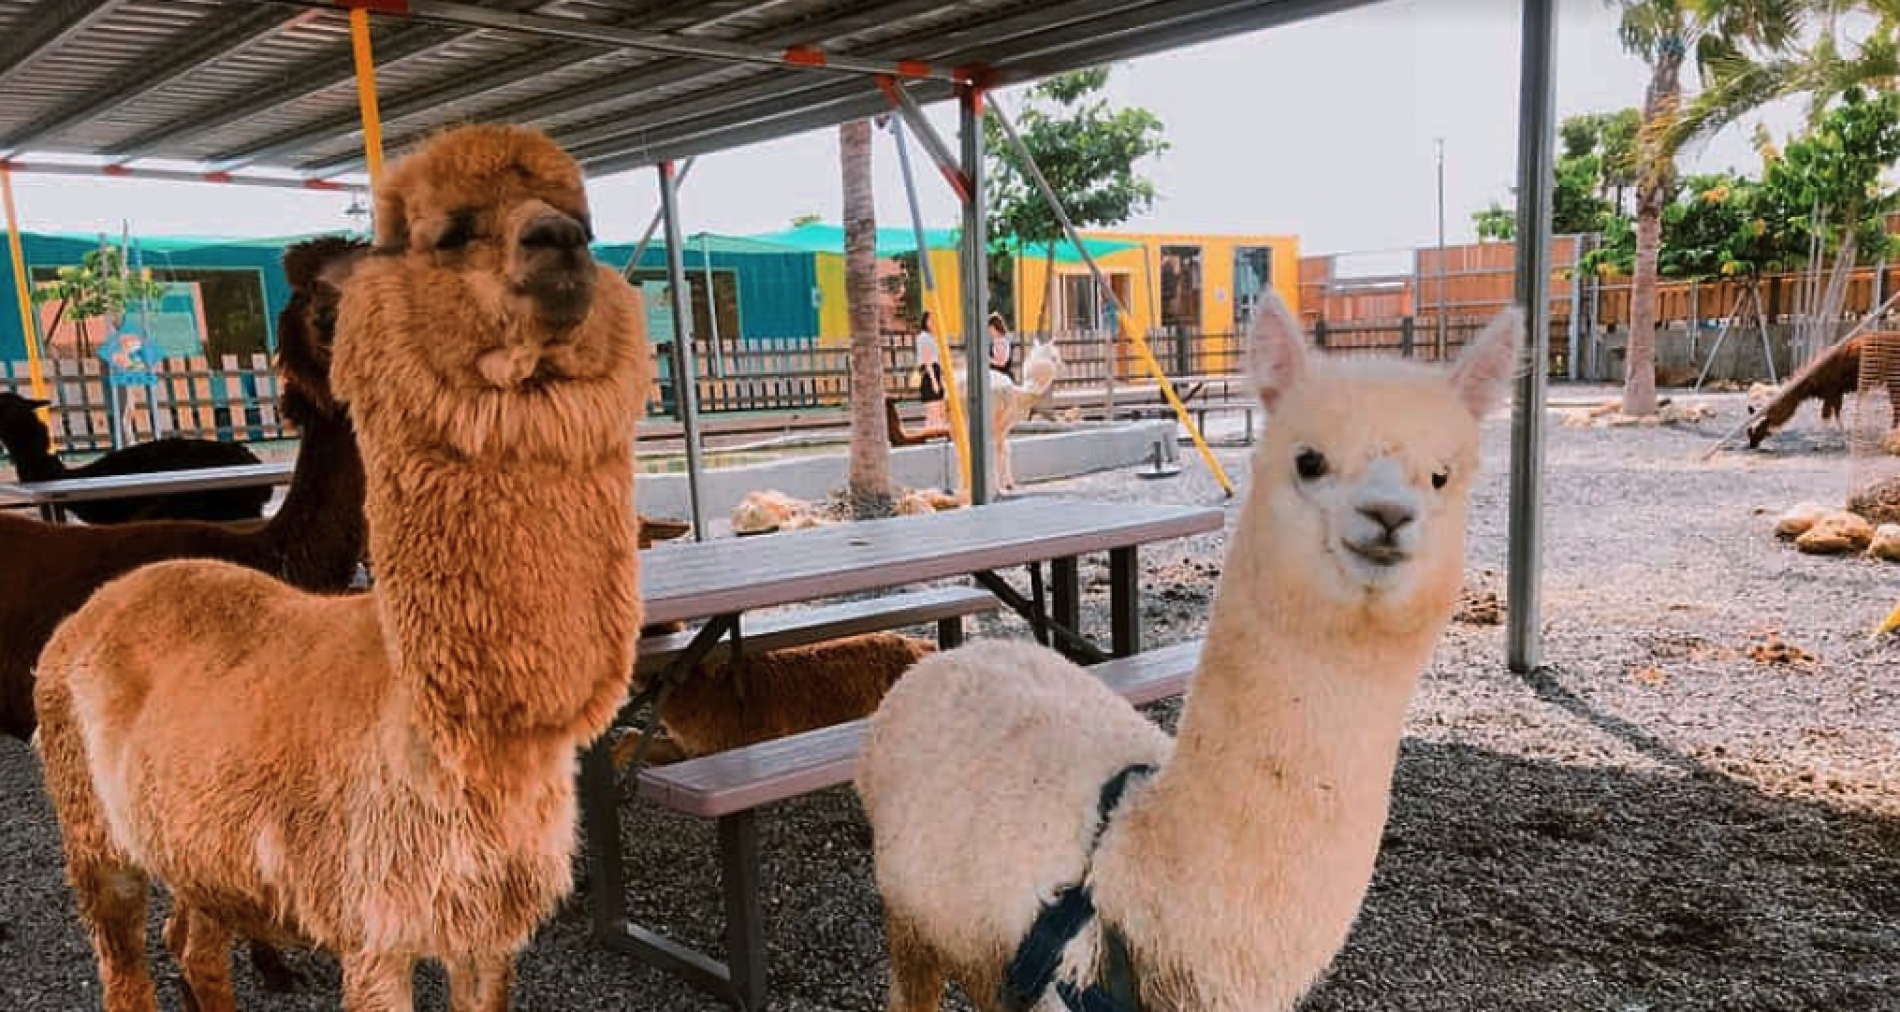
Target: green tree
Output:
{"points": [[1826, 192], [1086, 149], [1496, 223], [1667, 34], [100, 286], [1823, 70]]}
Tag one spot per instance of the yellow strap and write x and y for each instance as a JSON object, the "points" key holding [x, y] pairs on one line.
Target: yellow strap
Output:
{"points": [[366, 95], [958, 433], [23, 288], [1892, 623]]}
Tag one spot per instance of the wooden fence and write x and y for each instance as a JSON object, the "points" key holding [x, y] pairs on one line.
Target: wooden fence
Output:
{"points": [[236, 400]]}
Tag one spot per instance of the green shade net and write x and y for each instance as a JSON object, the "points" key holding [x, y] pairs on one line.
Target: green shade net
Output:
{"points": [[819, 237]]}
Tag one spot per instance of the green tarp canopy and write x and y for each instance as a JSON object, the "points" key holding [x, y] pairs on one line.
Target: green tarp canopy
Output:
{"points": [[820, 237]]}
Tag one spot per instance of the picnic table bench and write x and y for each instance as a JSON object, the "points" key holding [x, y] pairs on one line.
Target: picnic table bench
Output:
{"points": [[720, 580], [52, 496]]}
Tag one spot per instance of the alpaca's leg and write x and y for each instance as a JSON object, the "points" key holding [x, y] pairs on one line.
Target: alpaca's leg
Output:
{"points": [[379, 982], [109, 890], [202, 947], [917, 974], [275, 974], [481, 983]]}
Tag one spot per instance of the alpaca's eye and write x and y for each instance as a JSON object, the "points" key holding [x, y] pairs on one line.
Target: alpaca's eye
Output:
{"points": [[1311, 464], [460, 233], [1440, 479]]}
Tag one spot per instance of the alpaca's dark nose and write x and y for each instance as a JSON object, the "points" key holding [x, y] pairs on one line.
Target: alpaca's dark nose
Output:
{"points": [[554, 232], [1390, 515]]}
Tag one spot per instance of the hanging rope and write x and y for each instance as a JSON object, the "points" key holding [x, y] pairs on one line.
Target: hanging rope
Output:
{"points": [[23, 289]]}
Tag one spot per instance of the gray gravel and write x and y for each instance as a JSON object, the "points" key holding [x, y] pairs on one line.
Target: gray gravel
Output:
{"points": [[1654, 822]]}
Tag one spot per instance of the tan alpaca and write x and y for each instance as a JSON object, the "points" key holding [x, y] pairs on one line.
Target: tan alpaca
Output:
{"points": [[387, 776], [1236, 870], [1010, 405]]}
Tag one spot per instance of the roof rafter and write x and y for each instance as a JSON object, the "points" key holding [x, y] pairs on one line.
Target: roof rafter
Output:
{"points": [[532, 64], [596, 93], [122, 89], [53, 24]]}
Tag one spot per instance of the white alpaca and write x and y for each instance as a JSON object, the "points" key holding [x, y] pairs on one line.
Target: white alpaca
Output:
{"points": [[1234, 872], [1011, 403]]}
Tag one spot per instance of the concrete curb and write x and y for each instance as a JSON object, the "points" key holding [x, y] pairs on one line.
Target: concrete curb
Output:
{"points": [[1038, 457]]}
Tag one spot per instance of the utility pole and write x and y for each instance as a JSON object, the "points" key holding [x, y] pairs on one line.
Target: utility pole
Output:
{"points": [[1444, 333]]}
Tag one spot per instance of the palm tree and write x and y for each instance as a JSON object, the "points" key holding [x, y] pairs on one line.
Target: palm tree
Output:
{"points": [[1824, 71], [870, 476], [1665, 33]]}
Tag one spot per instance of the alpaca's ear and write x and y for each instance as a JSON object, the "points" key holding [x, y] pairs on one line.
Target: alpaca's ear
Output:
{"points": [[338, 268], [392, 222], [1277, 356], [1483, 374], [34, 403]]}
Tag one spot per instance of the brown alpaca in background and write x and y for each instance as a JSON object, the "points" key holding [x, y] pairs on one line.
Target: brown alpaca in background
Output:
{"points": [[770, 695], [387, 776], [1831, 379], [314, 541]]}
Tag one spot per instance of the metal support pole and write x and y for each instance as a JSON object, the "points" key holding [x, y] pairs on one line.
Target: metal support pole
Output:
{"points": [[646, 238], [976, 290], [1536, 140], [1142, 351], [1444, 331], [366, 95], [1575, 335], [959, 432], [23, 290], [685, 371]]}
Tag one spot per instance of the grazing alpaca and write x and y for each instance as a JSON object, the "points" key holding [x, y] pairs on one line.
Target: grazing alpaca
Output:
{"points": [[388, 776], [314, 541], [1010, 405], [30, 444], [1231, 874], [1831, 379], [776, 694]]}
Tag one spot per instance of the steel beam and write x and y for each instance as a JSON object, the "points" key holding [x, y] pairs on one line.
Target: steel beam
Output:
{"points": [[219, 41], [910, 112], [532, 64], [180, 176], [335, 72], [1536, 144], [1033, 35], [51, 26], [976, 292], [685, 370], [571, 30], [580, 98]]}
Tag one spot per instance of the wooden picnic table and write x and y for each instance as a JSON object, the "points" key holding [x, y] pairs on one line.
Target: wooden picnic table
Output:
{"points": [[718, 581], [51, 496]]}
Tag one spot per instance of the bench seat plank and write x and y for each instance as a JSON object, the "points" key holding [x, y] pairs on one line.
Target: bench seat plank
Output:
{"points": [[719, 785], [828, 622]]}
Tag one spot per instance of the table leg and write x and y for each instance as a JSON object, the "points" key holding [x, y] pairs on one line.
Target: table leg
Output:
{"points": [[1124, 601], [51, 513], [1065, 585], [600, 810], [1038, 605], [745, 927]]}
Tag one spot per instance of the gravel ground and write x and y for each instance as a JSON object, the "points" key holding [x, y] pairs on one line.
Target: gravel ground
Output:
{"points": [[1655, 821]]}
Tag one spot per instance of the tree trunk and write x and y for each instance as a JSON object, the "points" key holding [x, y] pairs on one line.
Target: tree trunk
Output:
{"points": [[870, 479], [1655, 174]]}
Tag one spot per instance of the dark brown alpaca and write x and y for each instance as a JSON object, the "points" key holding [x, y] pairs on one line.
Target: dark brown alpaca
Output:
{"points": [[30, 445], [1834, 377], [315, 540]]}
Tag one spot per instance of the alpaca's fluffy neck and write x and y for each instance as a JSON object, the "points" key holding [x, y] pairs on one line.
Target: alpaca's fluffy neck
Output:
{"points": [[32, 456], [1257, 839], [508, 583], [319, 532]]}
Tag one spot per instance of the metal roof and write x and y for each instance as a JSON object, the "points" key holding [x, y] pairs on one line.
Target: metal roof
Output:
{"points": [[249, 85]]}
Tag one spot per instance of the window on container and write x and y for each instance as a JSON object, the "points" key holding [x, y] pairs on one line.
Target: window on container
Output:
{"points": [[204, 311], [1253, 274], [1081, 304], [1180, 289]]}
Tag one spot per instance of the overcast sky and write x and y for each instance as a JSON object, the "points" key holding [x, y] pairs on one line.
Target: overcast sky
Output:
{"points": [[1323, 130]]}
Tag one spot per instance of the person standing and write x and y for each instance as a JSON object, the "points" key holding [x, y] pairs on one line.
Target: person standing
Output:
{"points": [[1002, 347], [930, 376]]}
